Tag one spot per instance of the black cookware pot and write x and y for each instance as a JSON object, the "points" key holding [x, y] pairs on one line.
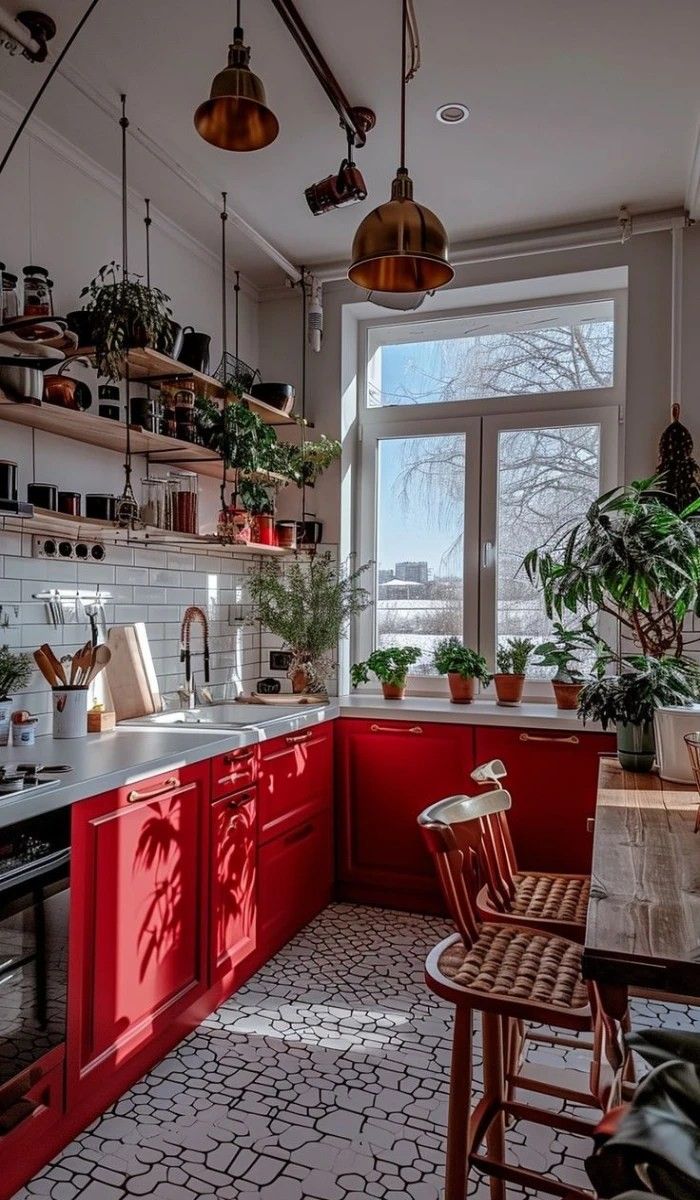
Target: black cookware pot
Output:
{"points": [[195, 350]]}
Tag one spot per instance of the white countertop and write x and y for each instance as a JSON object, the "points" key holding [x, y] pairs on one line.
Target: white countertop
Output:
{"points": [[479, 712]]}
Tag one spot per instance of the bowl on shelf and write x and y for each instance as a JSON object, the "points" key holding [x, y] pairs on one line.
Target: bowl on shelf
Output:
{"points": [[278, 395]]}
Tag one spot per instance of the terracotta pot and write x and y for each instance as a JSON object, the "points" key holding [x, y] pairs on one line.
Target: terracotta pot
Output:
{"points": [[509, 689], [263, 530], [299, 680], [394, 691], [462, 688], [566, 694]]}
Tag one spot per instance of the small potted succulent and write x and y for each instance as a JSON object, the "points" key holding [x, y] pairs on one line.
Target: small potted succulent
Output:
{"points": [[390, 665], [463, 668], [511, 667], [256, 500], [123, 313], [15, 672], [564, 653]]}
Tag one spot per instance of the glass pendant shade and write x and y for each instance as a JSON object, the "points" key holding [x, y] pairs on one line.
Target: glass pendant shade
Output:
{"points": [[401, 246], [236, 116]]}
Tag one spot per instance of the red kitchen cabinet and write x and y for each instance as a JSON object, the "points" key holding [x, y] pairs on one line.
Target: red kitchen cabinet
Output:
{"points": [[552, 778], [296, 778], [295, 881], [387, 772], [233, 896], [138, 952], [233, 771]]}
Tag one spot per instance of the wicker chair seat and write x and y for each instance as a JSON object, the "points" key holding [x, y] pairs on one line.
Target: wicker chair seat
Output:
{"points": [[551, 897], [518, 964]]}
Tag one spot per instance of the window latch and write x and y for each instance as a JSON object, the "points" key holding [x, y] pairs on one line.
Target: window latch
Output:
{"points": [[486, 554]]}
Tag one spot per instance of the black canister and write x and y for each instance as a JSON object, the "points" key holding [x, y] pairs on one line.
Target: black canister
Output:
{"points": [[111, 411], [141, 412], [99, 507], [43, 495], [8, 480]]}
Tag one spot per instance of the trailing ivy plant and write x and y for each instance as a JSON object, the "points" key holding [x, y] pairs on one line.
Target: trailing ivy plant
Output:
{"points": [[309, 605], [15, 671], [631, 557], [390, 665], [452, 657], [125, 313]]}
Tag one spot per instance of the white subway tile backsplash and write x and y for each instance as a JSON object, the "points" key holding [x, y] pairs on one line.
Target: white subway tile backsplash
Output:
{"points": [[10, 589]]}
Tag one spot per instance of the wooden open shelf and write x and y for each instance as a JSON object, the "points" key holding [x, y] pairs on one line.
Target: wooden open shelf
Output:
{"points": [[60, 525], [111, 435]]}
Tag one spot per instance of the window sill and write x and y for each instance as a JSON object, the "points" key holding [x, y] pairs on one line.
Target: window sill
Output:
{"points": [[528, 715]]}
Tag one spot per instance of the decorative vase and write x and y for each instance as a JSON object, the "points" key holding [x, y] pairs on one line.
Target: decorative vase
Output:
{"points": [[394, 691], [635, 746], [566, 694], [462, 687], [509, 689]]}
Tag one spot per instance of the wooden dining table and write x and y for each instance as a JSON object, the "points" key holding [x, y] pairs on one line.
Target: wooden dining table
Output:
{"points": [[643, 928]]}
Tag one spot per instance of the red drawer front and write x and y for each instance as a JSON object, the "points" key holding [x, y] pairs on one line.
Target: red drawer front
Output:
{"points": [[296, 779], [233, 882], [233, 771], [27, 1111], [294, 881]]}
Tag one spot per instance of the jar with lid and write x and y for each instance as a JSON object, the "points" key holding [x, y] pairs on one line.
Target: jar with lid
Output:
{"points": [[154, 509], [9, 300], [37, 295]]}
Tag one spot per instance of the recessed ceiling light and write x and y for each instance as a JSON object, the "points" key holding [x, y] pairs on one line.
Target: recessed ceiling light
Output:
{"points": [[452, 114]]}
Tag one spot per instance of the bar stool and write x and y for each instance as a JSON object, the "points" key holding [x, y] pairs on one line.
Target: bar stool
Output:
{"points": [[551, 901], [512, 974]]}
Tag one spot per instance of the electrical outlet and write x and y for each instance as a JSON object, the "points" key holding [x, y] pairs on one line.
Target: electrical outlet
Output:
{"points": [[280, 660]]}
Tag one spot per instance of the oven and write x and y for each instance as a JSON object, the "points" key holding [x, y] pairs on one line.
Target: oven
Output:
{"points": [[34, 903]]}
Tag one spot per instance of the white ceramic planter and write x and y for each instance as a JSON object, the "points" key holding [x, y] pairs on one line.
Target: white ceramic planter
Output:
{"points": [[6, 707]]}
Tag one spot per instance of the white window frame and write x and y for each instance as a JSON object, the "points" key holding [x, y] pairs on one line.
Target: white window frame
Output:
{"points": [[481, 421]]}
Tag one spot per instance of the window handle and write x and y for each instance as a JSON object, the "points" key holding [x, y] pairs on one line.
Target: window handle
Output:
{"points": [[486, 554]]}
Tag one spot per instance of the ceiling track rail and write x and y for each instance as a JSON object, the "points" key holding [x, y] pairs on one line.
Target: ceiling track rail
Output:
{"points": [[356, 120]]}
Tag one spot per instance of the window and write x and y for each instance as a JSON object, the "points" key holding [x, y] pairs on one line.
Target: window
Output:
{"points": [[493, 457]]}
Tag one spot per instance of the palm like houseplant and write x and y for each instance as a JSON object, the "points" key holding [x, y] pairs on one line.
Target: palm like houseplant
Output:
{"points": [[463, 667], [308, 605], [511, 667], [391, 665]]}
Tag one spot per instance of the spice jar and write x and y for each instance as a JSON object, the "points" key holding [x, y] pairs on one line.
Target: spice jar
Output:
{"points": [[9, 304], [286, 532], [37, 295]]}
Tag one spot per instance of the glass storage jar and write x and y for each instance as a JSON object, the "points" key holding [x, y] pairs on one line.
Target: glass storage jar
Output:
{"points": [[37, 294]]}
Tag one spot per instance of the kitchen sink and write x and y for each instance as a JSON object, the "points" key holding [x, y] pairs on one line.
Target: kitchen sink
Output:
{"points": [[219, 717]]}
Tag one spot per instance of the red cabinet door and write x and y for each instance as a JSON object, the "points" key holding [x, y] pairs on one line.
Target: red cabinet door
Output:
{"points": [[296, 779], [552, 778], [233, 846], [388, 771], [295, 878], [137, 954]]}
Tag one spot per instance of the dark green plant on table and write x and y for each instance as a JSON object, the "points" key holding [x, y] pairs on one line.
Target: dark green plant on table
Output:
{"points": [[15, 671], [125, 313], [308, 605], [391, 665]]}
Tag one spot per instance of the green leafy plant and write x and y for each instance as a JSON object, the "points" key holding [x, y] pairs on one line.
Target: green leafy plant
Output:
{"points": [[124, 313], [303, 464], [513, 657], [566, 648], [643, 684], [390, 665], [309, 605], [15, 671], [452, 657], [237, 434], [631, 557], [255, 498]]}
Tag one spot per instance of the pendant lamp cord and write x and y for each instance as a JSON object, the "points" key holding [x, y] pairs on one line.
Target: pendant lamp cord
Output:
{"points": [[404, 19], [238, 16], [303, 392], [124, 125], [224, 343], [148, 222], [49, 76]]}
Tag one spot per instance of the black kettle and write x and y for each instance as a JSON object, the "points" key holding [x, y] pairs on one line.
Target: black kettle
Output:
{"points": [[195, 350]]}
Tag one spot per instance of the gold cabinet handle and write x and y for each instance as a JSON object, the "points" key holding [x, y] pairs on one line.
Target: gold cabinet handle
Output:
{"points": [[572, 739], [296, 739], [392, 729], [168, 786]]}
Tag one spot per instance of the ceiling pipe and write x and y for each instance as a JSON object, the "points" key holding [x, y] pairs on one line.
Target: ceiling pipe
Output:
{"points": [[566, 237], [355, 120]]}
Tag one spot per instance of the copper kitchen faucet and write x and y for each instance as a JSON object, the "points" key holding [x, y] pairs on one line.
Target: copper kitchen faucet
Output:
{"points": [[193, 614]]}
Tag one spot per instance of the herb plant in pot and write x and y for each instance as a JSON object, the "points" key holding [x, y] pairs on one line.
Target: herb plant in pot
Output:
{"points": [[15, 672], [463, 668], [629, 697], [390, 665], [124, 313], [256, 500], [511, 667]]}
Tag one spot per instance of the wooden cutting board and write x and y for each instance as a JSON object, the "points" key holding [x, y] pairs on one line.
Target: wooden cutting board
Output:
{"points": [[131, 674]]}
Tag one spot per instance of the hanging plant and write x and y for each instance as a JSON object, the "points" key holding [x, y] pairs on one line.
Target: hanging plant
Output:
{"points": [[678, 468], [125, 313], [305, 463], [237, 434]]}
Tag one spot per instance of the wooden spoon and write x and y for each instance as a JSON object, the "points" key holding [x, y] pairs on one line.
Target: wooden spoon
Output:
{"points": [[101, 655], [44, 665], [56, 666], [82, 663]]}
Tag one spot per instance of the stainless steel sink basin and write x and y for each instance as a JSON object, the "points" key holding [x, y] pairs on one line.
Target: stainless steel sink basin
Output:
{"points": [[219, 717]]}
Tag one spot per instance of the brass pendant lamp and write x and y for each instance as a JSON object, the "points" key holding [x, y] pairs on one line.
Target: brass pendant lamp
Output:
{"points": [[236, 116], [401, 246]]}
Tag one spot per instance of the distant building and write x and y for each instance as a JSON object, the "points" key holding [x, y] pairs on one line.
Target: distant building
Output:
{"points": [[384, 576], [412, 572]]}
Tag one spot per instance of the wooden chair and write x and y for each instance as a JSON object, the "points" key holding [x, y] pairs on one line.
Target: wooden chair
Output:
{"points": [[548, 900], [512, 974]]}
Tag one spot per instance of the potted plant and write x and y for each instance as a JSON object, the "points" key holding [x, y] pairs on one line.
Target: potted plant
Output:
{"points": [[462, 666], [303, 464], [390, 665], [236, 433], [511, 668], [563, 653], [627, 699], [124, 313], [15, 672], [256, 500], [308, 604]]}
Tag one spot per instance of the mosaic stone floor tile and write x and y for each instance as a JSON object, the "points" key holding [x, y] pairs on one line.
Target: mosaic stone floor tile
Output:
{"points": [[325, 1078]]}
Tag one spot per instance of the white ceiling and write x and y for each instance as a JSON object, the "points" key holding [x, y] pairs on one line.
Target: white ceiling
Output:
{"points": [[575, 109]]}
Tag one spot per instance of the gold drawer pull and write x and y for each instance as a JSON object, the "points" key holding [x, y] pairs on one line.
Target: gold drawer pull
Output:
{"points": [[237, 756], [296, 739], [572, 740], [165, 787], [391, 729]]}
